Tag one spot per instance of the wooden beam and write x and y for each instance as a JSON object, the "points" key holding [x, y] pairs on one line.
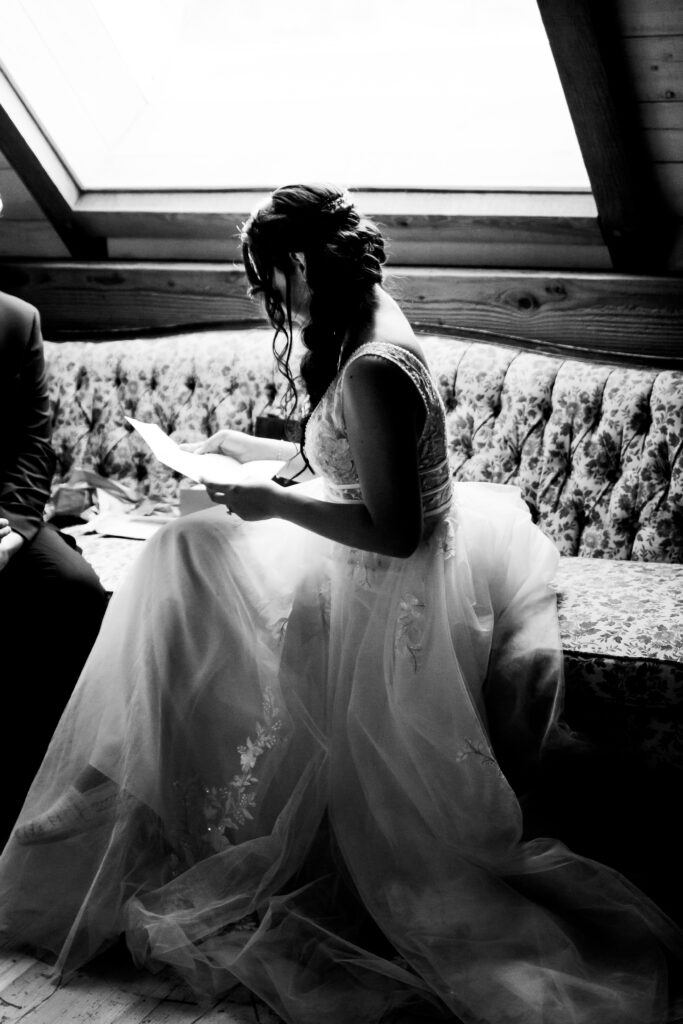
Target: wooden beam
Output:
{"points": [[627, 318], [18, 130], [424, 228], [428, 252], [30, 239], [544, 226], [587, 49]]}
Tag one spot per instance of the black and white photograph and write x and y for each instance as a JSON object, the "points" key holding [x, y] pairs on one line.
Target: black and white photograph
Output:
{"points": [[341, 511]]}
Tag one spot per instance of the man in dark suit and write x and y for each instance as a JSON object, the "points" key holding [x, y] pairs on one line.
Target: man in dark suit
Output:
{"points": [[51, 601]]}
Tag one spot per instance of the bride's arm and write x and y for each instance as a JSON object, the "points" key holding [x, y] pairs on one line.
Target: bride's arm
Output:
{"points": [[382, 412], [244, 447]]}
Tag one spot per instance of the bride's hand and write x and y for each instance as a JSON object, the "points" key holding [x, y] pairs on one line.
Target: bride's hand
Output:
{"points": [[251, 502], [235, 443]]}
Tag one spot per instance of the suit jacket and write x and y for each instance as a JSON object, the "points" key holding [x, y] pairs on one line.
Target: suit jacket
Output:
{"points": [[27, 460]]}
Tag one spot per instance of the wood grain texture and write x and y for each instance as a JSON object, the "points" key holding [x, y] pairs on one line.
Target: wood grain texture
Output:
{"points": [[628, 317], [16, 125], [670, 179], [17, 201], [423, 228], [676, 258], [434, 252], [665, 145], [656, 67], [649, 17], [631, 317], [26, 239], [661, 116], [110, 990], [483, 224], [593, 72]]}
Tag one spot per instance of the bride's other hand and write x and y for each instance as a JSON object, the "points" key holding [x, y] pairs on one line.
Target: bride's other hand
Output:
{"points": [[251, 502], [243, 447], [234, 443]]}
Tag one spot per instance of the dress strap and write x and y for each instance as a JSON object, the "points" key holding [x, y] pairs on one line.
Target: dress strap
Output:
{"points": [[402, 357]]}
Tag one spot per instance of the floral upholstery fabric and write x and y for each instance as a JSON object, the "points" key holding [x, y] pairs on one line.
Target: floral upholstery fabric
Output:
{"points": [[596, 450], [191, 385], [622, 631], [629, 611]]}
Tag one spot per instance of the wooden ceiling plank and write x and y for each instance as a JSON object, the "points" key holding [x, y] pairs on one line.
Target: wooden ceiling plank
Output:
{"points": [[631, 212], [665, 147], [656, 67], [670, 177], [17, 130], [224, 227], [665, 116], [649, 17]]}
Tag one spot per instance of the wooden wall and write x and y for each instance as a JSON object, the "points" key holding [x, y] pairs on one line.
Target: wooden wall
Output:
{"points": [[651, 42], [25, 231]]}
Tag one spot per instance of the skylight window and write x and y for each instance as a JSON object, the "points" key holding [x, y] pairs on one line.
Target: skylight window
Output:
{"points": [[235, 94]]}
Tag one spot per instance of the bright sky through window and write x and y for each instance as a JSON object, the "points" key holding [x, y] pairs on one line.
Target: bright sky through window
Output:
{"points": [[193, 94]]}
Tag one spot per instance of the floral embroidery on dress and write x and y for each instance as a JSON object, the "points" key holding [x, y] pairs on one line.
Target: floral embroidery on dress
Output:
{"points": [[409, 628], [211, 813], [472, 749], [364, 567], [227, 808], [446, 537]]}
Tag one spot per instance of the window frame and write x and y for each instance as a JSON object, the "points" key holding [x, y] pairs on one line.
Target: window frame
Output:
{"points": [[533, 228]]}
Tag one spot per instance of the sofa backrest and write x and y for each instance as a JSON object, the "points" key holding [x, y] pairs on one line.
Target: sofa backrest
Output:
{"points": [[596, 450]]}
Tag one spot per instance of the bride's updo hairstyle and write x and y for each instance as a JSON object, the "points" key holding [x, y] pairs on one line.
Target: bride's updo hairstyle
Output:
{"points": [[344, 253]]}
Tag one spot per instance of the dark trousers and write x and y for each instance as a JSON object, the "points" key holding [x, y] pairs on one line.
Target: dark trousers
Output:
{"points": [[51, 607]]}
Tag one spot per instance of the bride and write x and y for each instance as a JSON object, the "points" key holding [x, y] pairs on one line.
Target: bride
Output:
{"points": [[294, 757]]}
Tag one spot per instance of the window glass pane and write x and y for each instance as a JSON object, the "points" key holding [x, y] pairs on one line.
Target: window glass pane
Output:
{"points": [[253, 93]]}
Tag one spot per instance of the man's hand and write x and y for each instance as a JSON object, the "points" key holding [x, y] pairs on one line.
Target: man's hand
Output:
{"points": [[10, 542]]}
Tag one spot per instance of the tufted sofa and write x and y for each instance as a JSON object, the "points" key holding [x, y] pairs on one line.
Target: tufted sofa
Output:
{"points": [[596, 450]]}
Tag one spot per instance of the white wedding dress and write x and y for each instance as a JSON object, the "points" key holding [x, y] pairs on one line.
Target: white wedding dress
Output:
{"points": [[309, 801]]}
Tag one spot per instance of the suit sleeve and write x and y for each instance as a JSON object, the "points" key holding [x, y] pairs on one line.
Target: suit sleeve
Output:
{"points": [[28, 470]]}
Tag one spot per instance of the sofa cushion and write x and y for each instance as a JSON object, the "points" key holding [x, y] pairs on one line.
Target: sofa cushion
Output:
{"points": [[596, 450], [622, 632]]}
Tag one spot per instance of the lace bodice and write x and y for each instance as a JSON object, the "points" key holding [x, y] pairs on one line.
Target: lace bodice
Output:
{"points": [[329, 452]]}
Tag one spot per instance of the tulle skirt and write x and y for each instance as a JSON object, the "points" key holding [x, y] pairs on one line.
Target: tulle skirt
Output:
{"points": [[302, 736]]}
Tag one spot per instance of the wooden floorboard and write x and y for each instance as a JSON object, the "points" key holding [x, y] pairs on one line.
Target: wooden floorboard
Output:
{"points": [[112, 990]]}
